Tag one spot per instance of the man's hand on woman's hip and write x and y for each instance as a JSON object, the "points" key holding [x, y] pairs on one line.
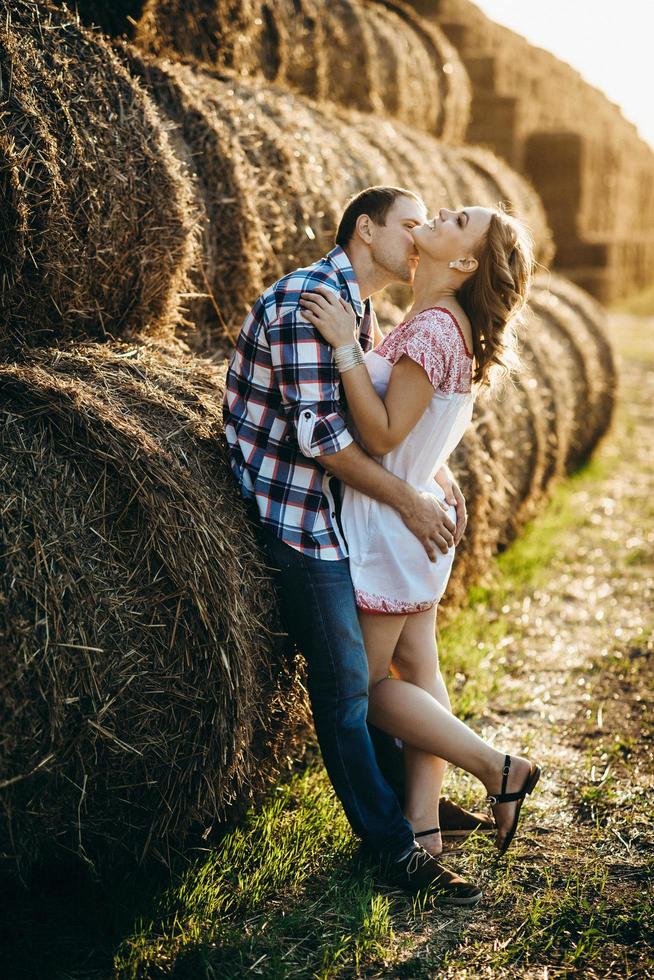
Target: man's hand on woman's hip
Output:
{"points": [[453, 496], [427, 518]]}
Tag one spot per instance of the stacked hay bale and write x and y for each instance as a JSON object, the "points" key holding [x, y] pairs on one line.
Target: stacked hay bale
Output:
{"points": [[373, 57], [280, 198], [593, 171], [97, 235], [143, 687]]}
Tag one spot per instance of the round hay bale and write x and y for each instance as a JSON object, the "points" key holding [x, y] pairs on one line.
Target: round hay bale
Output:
{"points": [[98, 232], [369, 56], [593, 391], [143, 687], [593, 316], [542, 357], [518, 442], [472, 468]]}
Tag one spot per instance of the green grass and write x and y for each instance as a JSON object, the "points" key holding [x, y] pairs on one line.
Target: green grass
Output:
{"points": [[278, 895]]}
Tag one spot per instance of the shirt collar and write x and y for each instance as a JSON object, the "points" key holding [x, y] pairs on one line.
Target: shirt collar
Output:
{"points": [[340, 261]]}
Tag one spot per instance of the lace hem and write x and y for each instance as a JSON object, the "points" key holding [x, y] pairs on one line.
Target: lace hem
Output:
{"points": [[368, 602]]}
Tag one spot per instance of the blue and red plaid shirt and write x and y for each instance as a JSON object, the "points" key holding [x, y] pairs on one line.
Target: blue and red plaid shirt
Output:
{"points": [[283, 408]]}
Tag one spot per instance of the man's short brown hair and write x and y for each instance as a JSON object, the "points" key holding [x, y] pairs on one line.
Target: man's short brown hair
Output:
{"points": [[373, 201]]}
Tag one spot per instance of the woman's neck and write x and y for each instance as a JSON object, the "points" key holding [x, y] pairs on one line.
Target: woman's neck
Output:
{"points": [[432, 287]]}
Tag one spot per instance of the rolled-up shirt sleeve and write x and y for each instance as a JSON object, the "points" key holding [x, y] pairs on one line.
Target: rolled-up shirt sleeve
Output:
{"points": [[309, 385]]}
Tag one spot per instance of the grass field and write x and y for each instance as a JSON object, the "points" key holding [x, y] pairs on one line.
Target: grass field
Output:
{"points": [[552, 655]]}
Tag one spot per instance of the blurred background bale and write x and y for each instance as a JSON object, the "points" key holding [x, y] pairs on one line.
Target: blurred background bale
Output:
{"points": [[97, 235], [143, 685], [594, 172], [376, 57]]}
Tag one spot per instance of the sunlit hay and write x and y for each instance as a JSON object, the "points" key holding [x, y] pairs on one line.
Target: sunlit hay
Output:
{"points": [[388, 314], [241, 213], [593, 317], [544, 360], [373, 57], [504, 184], [590, 165], [143, 688], [98, 231], [470, 464], [589, 383], [517, 442], [222, 33]]}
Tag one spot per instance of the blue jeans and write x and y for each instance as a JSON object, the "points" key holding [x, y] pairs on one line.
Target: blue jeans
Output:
{"points": [[319, 613]]}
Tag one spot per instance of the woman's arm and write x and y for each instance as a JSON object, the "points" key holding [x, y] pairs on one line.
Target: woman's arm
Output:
{"points": [[382, 424]]}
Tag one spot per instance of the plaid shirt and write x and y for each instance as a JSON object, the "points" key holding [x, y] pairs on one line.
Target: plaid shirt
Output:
{"points": [[283, 408]]}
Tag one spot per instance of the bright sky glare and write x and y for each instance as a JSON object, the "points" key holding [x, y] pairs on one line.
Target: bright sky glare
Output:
{"points": [[610, 42]]}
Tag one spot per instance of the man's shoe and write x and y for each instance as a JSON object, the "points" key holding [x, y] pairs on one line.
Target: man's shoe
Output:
{"points": [[419, 872], [457, 822]]}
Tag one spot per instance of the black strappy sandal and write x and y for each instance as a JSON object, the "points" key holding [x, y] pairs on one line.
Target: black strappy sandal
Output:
{"points": [[426, 833], [503, 797]]}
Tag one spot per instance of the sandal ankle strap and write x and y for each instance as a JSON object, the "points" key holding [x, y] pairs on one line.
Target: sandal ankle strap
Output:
{"points": [[425, 833]]}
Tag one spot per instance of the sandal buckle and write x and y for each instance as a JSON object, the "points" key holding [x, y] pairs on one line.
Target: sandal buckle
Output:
{"points": [[505, 771], [491, 799]]}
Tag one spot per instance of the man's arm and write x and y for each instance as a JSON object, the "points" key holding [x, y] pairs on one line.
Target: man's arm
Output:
{"points": [[421, 512]]}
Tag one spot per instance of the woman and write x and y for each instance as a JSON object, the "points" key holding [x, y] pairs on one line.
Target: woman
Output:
{"points": [[411, 401]]}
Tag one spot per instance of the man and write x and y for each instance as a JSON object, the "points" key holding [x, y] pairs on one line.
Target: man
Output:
{"points": [[289, 448]]}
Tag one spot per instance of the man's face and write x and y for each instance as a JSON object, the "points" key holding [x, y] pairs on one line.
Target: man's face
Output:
{"points": [[392, 247]]}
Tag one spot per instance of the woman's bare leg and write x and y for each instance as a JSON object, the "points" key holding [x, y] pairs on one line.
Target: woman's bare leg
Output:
{"points": [[416, 660], [412, 714]]}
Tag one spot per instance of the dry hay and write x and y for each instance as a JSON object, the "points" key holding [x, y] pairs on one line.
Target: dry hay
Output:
{"points": [[273, 172], [582, 335], [591, 167], [370, 56], [98, 232], [474, 470], [143, 688]]}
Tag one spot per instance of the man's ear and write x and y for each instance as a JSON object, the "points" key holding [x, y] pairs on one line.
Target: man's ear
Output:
{"points": [[469, 264], [364, 228]]}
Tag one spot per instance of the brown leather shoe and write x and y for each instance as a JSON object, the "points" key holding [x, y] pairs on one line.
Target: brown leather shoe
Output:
{"points": [[457, 822], [420, 872]]}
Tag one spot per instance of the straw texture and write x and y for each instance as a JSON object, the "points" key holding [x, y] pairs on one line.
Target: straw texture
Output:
{"points": [[97, 235]]}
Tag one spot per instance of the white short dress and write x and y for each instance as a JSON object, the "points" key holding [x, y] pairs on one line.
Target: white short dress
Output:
{"points": [[390, 569]]}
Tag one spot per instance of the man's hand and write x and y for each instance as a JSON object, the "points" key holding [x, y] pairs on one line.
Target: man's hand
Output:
{"points": [[454, 497], [427, 518]]}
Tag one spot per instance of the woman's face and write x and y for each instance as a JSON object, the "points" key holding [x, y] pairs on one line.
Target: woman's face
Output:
{"points": [[452, 235]]}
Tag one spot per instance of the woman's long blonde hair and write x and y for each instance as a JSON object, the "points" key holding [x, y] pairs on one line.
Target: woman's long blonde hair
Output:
{"points": [[495, 294]]}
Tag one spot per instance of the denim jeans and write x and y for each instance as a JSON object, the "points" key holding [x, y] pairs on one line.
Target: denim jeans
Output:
{"points": [[319, 613]]}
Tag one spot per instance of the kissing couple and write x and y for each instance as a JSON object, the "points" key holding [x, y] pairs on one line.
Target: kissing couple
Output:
{"points": [[341, 437]]}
